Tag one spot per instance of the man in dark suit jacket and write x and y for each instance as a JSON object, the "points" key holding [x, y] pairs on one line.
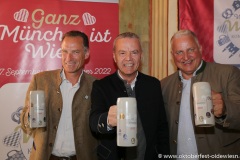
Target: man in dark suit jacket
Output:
{"points": [[152, 124]]}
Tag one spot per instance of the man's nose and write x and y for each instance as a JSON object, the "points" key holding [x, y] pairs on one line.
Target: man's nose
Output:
{"points": [[185, 55], [128, 56]]}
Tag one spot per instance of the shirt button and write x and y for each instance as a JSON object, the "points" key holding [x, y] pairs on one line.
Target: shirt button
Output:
{"points": [[175, 141], [56, 127], [59, 109], [178, 103], [176, 121]]}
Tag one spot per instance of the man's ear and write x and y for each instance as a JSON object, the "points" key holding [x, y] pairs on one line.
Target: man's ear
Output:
{"points": [[200, 49], [87, 54], [114, 58]]}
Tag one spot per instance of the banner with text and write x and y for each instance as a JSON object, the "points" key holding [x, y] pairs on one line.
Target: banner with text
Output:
{"points": [[30, 35], [216, 23]]}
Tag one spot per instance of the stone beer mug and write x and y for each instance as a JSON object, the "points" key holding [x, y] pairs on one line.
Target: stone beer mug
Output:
{"points": [[203, 108], [126, 121], [37, 109]]}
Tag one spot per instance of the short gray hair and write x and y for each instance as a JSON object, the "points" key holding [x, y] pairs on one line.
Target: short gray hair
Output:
{"points": [[184, 33], [127, 35]]}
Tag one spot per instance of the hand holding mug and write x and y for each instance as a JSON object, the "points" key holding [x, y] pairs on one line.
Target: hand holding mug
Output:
{"points": [[218, 104], [112, 116]]}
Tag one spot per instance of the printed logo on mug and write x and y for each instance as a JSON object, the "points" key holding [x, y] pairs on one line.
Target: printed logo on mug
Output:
{"points": [[126, 121], [203, 108], [37, 109]]}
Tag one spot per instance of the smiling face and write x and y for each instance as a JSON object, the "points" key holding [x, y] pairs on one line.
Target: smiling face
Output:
{"points": [[187, 54], [73, 55], [127, 56]]}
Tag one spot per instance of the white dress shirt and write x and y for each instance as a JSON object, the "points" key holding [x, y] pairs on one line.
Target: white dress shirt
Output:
{"points": [[64, 143], [186, 145], [186, 138]]}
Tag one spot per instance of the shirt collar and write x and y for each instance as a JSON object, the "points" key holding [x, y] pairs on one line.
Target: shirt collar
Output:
{"points": [[132, 83], [63, 76]]}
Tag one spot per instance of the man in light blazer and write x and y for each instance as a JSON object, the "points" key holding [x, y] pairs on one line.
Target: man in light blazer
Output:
{"points": [[67, 135]]}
